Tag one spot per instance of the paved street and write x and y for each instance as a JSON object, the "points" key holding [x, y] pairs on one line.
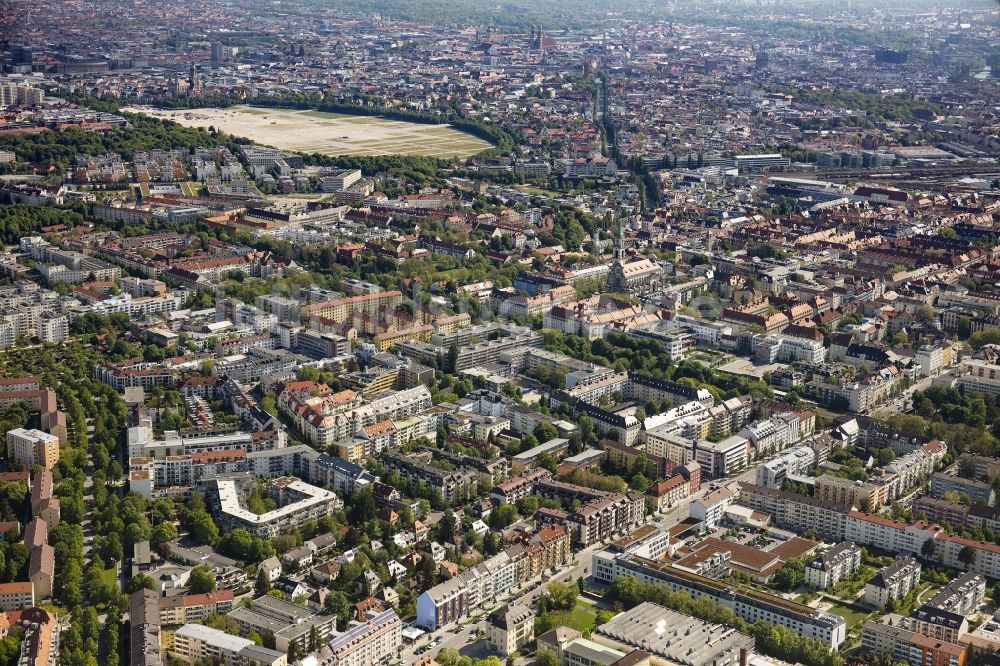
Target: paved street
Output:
{"points": [[902, 403]]}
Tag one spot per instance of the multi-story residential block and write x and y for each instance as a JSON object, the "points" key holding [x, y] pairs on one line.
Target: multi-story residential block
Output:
{"points": [[936, 623], [794, 462], [602, 518], [667, 442], [914, 466], [979, 376], [643, 388], [340, 180], [833, 565], [722, 459], [287, 621], [771, 435], [42, 570], [963, 595], [752, 605], [547, 548], [197, 642], [44, 504], [710, 509], [601, 514], [848, 493], [521, 485], [729, 416], [132, 374], [53, 327], [315, 344], [509, 628], [192, 608], [787, 349], [452, 485], [943, 511], [144, 623], [984, 468], [798, 512], [942, 483], [255, 364], [890, 636], [623, 427], [28, 448], [298, 502], [668, 493], [17, 596], [627, 457], [375, 640], [343, 309], [450, 601], [893, 582]]}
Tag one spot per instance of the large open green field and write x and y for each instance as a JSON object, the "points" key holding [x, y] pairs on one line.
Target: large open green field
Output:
{"points": [[329, 133]]}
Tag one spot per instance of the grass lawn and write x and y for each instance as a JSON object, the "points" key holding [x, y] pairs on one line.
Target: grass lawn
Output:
{"points": [[190, 189], [53, 608], [327, 114], [580, 618], [110, 576], [850, 588], [851, 615], [531, 189]]}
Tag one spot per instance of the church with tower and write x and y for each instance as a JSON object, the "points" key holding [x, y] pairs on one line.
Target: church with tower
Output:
{"points": [[192, 87], [637, 277]]}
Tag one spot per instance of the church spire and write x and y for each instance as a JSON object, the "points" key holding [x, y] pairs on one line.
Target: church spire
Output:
{"points": [[619, 239]]}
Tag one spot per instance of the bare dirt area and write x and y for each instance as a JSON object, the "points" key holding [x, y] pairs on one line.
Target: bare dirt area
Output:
{"points": [[328, 133]]}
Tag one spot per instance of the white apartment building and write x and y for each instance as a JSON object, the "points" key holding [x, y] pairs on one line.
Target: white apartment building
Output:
{"points": [[978, 376], [197, 642], [53, 327], [720, 459], [341, 180], [710, 509], [794, 462], [772, 435], [32, 447], [298, 502], [833, 566], [893, 582], [374, 641]]}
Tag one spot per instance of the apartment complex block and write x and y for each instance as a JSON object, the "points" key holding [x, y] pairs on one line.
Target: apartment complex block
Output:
{"points": [[833, 566], [893, 582], [454, 599], [28, 448], [375, 640], [751, 605]]}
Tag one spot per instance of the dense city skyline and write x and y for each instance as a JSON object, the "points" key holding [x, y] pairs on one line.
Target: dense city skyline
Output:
{"points": [[618, 333]]}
